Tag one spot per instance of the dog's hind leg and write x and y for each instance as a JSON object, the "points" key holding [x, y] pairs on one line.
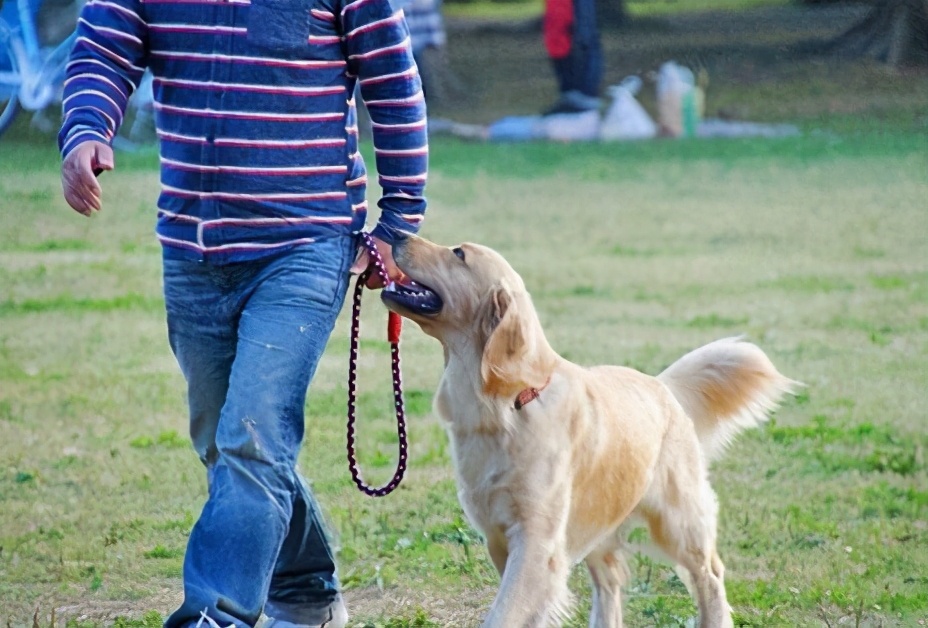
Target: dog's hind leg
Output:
{"points": [[609, 571], [686, 531]]}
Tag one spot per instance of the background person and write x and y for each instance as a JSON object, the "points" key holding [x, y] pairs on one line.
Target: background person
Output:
{"points": [[571, 37], [263, 195], [428, 39], [427, 32]]}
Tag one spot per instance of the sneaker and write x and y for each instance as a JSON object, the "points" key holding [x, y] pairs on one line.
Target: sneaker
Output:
{"points": [[323, 615], [573, 102]]}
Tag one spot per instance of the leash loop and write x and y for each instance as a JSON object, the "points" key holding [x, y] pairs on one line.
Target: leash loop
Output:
{"points": [[394, 323]]}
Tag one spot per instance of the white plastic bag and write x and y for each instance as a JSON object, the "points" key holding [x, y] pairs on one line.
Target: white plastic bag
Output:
{"points": [[626, 119], [679, 100]]}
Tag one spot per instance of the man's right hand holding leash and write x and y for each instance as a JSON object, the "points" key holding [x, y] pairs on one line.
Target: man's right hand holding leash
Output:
{"points": [[364, 262]]}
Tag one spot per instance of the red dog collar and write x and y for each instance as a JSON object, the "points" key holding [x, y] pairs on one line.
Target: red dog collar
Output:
{"points": [[529, 394]]}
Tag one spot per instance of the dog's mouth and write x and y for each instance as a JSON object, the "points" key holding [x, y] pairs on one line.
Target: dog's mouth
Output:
{"points": [[412, 297]]}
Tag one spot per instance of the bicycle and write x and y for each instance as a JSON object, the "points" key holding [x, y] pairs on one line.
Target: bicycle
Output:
{"points": [[32, 76]]}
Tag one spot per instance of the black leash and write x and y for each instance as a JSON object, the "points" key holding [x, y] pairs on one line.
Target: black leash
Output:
{"points": [[394, 326]]}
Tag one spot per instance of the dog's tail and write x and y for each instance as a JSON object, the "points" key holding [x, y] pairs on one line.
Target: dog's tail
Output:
{"points": [[725, 387]]}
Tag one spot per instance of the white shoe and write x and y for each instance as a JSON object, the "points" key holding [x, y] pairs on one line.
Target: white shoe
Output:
{"points": [[332, 615]]}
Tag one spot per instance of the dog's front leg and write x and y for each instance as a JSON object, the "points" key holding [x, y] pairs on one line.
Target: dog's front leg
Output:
{"points": [[534, 584]]}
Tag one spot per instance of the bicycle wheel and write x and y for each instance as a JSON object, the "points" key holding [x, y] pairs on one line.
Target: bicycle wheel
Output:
{"points": [[10, 80], [8, 111]]}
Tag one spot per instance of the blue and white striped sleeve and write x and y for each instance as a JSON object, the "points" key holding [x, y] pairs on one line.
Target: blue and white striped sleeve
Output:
{"points": [[380, 55], [105, 67]]}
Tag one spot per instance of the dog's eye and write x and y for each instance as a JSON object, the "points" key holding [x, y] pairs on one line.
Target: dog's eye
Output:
{"points": [[459, 252]]}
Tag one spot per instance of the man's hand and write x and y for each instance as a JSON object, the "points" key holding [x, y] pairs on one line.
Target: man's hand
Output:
{"points": [[79, 175], [386, 253]]}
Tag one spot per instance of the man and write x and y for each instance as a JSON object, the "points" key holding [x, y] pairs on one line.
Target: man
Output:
{"points": [[263, 195], [572, 41]]}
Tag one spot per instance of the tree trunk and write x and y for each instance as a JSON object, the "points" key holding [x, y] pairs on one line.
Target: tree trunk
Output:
{"points": [[611, 13], [441, 85], [893, 32]]}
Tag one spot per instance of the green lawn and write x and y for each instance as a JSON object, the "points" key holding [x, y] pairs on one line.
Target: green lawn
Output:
{"points": [[813, 246]]}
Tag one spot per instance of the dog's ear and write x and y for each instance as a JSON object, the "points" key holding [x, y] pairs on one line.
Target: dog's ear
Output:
{"points": [[516, 354]]}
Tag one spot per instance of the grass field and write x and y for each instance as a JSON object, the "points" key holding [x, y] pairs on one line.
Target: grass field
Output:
{"points": [[812, 246]]}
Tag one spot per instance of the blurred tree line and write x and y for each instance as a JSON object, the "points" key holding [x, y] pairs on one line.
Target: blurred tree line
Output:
{"points": [[893, 32]]}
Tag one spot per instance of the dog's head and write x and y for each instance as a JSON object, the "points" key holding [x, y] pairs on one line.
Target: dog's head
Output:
{"points": [[471, 299]]}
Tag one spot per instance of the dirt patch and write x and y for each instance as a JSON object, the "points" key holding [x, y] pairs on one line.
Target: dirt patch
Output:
{"points": [[365, 606], [457, 610], [50, 612]]}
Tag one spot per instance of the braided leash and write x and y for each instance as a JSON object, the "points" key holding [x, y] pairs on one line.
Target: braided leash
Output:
{"points": [[394, 325]]}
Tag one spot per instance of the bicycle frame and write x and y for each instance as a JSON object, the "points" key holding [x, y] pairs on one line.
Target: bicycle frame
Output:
{"points": [[36, 75], [39, 74]]}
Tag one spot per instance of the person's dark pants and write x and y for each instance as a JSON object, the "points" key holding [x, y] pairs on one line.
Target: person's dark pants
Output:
{"points": [[582, 69]]}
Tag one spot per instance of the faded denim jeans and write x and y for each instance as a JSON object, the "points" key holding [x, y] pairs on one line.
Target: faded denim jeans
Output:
{"points": [[248, 337]]}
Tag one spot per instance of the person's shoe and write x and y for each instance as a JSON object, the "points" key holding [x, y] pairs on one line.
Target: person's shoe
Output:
{"points": [[324, 615], [573, 102]]}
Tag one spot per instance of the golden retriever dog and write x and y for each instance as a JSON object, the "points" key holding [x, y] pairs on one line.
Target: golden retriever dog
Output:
{"points": [[556, 462]]}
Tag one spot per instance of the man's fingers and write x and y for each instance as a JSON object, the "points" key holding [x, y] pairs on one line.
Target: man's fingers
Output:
{"points": [[93, 192], [90, 199], [75, 194], [364, 262], [82, 194], [393, 271], [77, 203], [78, 179], [89, 185], [361, 263], [103, 157]]}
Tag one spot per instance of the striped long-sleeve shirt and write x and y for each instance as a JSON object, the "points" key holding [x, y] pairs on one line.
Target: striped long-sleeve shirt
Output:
{"points": [[254, 108]]}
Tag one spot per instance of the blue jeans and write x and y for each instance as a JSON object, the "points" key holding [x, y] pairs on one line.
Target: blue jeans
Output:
{"points": [[248, 337]]}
